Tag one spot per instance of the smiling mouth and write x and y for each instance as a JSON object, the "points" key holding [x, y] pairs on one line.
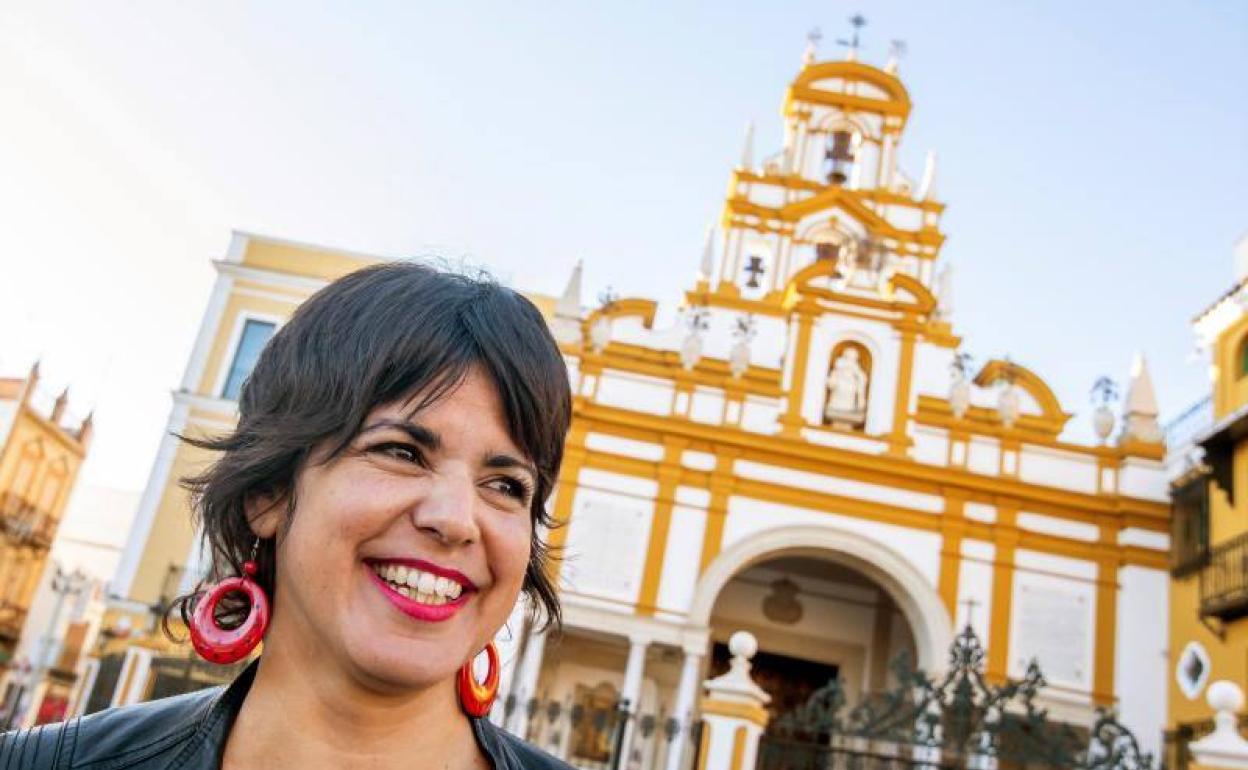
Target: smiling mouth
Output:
{"points": [[424, 587], [421, 590]]}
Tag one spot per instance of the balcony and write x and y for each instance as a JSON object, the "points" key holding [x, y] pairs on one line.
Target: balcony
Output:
{"points": [[1189, 523], [1224, 581], [12, 618], [23, 523]]}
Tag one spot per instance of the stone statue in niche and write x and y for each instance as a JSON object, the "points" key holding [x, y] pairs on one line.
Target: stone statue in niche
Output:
{"points": [[847, 392]]}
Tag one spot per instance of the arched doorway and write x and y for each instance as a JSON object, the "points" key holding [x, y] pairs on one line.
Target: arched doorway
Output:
{"points": [[826, 557], [815, 620]]}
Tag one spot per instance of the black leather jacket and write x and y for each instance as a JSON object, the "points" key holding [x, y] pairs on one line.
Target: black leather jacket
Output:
{"points": [[188, 732]]}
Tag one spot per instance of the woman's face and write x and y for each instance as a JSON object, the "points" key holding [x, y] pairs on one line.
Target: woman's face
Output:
{"points": [[406, 552]]}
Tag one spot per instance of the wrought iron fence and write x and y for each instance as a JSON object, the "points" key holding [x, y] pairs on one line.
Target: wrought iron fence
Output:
{"points": [[960, 722], [1224, 580], [591, 733]]}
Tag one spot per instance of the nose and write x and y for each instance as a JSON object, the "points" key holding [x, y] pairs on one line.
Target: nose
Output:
{"points": [[446, 511]]}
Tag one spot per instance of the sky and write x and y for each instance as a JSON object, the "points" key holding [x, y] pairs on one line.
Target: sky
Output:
{"points": [[1093, 157]]}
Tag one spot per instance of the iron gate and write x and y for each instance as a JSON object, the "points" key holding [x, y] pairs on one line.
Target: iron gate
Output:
{"points": [[961, 722]]}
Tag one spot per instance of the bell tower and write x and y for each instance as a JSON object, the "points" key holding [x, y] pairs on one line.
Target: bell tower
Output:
{"points": [[833, 190]]}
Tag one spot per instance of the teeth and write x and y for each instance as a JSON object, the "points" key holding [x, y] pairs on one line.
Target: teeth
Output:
{"points": [[424, 587]]}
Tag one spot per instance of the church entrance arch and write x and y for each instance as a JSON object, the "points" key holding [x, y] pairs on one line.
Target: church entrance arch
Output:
{"points": [[911, 593]]}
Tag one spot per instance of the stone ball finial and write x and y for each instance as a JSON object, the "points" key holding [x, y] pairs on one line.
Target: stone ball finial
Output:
{"points": [[743, 644], [1225, 696]]}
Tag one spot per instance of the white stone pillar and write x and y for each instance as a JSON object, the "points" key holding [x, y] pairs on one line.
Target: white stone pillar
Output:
{"points": [[631, 691], [682, 709], [733, 711], [525, 685], [1224, 748]]}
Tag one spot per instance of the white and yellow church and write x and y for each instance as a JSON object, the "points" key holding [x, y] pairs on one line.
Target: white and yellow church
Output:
{"points": [[803, 454]]}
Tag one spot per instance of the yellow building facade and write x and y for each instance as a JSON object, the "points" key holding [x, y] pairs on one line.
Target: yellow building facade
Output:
{"points": [[39, 462], [1209, 587], [40, 456]]}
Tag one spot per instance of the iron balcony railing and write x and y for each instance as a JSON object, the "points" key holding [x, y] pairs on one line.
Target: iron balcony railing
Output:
{"points": [[23, 523], [12, 618], [1224, 580]]}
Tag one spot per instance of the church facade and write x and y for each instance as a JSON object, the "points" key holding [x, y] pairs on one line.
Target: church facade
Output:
{"points": [[803, 453]]}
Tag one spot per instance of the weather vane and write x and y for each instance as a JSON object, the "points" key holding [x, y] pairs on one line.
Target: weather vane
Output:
{"points": [[857, 21]]}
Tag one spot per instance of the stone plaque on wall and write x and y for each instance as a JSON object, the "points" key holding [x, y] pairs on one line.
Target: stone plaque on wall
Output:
{"points": [[605, 544], [1053, 628]]}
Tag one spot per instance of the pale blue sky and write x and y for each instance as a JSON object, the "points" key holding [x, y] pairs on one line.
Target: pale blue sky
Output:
{"points": [[1093, 156]]}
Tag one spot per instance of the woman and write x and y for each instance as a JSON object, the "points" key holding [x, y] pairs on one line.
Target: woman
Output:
{"points": [[383, 494]]}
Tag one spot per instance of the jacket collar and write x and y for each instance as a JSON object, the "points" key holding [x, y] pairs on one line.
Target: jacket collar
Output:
{"points": [[206, 747]]}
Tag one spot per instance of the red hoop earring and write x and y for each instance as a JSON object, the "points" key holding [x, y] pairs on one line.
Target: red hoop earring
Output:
{"points": [[477, 698], [219, 645]]}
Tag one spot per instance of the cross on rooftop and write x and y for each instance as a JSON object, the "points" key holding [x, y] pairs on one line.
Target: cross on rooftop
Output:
{"points": [[857, 21]]}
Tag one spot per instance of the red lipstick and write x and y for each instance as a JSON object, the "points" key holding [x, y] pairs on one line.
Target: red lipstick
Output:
{"points": [[408, 606]]}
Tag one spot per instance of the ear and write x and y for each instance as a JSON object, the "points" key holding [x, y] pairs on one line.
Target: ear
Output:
{"points": [[264, 514]]}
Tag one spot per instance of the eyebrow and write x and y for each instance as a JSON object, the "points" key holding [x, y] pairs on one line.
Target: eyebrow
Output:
{"points": [[433, 442], [418, 433], [506, 461]]}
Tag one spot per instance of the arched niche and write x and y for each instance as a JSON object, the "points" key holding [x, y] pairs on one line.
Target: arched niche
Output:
{"points": [[861, 355]]}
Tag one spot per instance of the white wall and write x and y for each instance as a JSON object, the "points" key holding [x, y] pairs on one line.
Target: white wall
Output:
{"points": [[1141, 668], [747, 517]]}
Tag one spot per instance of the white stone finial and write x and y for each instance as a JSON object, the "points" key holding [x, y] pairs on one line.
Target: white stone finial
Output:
{"points": [[566, 325], [1225, 696], [927, 187], [1224, 747], [1140, 408], [747, 151], [736, 684], [812, 46], [896, 50], [743, 644], [707, 268], [569, 304]]}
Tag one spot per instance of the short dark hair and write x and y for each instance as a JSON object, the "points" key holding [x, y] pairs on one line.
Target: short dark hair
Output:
{"points": [[381, 335]]}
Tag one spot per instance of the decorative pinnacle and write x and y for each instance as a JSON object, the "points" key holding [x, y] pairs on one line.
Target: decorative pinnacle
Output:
{"points": [[896, 52], [708, 255], [812, 45]]}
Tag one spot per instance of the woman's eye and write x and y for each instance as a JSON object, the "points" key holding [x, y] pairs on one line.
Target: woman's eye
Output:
{"points": [[402, 452], [513, 488]]}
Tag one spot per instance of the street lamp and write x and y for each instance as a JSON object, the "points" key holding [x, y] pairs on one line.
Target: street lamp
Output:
{"points": [[63, 584]]}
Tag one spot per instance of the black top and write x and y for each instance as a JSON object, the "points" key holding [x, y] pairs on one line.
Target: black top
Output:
{"points": [[188, 732]]}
